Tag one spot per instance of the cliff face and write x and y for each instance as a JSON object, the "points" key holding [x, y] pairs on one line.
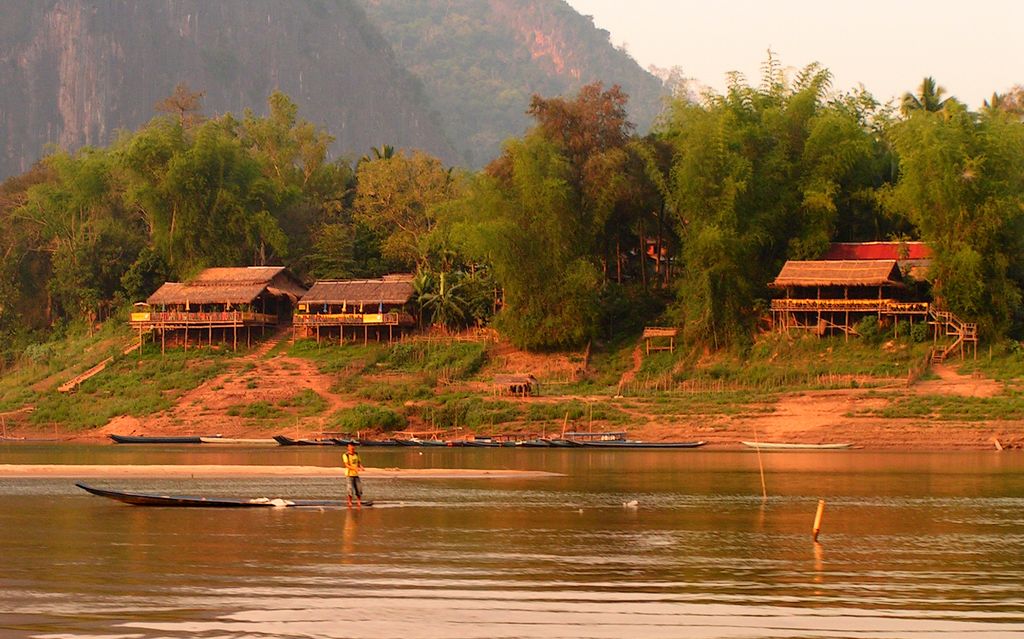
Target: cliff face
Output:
{"points": [[72, 72], [480, 61]]}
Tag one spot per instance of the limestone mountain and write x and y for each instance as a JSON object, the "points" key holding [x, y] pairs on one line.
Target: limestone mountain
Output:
{"points": [[481, 60], [73, 72], [452, 77]]}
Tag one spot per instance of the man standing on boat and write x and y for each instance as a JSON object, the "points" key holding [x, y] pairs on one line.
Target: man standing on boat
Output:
{"points": [[352, 467]]}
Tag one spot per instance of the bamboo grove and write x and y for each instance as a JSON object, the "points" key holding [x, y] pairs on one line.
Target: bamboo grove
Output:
{"points": [[580, 229]]}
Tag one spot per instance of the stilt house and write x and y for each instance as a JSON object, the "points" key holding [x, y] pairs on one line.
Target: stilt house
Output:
{"points": [[356, 309], [832, 296], [220, 304]]}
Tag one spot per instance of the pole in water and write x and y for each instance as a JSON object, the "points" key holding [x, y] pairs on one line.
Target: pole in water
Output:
{"points": [[817, 518]]}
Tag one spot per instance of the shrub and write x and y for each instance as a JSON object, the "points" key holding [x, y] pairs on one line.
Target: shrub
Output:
{"points": [[367, 416]]}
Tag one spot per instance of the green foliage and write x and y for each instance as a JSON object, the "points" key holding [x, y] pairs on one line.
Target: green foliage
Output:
{"points": [[365, 417], [256, 410], [129, 386], [868, 329], [396, 197], [473, 413], [455, 360], [962, 184], [307, 401], [759, 176], [396, 391]]}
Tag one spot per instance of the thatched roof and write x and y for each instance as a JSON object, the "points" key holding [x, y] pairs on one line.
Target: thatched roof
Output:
{"points": [[391, 289], [839, 273], [239, 285]]}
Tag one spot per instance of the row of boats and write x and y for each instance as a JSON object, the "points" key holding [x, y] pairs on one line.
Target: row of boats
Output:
{"points": [[614, 440]]}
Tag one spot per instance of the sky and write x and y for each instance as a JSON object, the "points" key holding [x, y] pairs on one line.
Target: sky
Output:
{"points": [[971, 49]]}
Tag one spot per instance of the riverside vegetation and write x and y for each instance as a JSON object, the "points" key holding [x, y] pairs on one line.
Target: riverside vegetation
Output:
{"points": [[587, 230]]}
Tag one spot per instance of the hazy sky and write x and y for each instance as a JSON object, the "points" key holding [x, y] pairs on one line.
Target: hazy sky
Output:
{"points": [[970, 48]]}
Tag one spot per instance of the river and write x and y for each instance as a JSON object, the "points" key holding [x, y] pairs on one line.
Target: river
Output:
{"points": [[647, 544]]}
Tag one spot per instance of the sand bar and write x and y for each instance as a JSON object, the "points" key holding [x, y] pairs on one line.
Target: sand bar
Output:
{"points": [[172, 470]]}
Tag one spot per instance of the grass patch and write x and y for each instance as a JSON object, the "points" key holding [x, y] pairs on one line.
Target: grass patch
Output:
{"points": [[256, 410], [307, 401], [450, 361], [131, 385], [1006, 406], [397, 391], [333, 358], [469, 411], [367, 417]]}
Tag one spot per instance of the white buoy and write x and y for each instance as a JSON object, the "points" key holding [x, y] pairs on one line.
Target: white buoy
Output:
{"points": [[631, 504]]}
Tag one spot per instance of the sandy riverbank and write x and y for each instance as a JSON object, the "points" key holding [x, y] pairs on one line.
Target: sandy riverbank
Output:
{"points": [[169, 470]]}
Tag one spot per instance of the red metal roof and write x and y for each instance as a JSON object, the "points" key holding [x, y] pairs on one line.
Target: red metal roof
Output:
{"points": [[878, 251]]}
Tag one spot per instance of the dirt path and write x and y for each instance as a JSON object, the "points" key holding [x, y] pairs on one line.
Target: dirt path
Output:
{"points": [[253, 377], [630, 375]]}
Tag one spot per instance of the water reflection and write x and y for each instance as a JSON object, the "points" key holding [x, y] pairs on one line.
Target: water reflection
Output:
{"points": [[911, 544]]}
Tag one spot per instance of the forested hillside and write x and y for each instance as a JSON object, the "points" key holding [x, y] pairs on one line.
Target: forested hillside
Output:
{"points": [[481, 60]]}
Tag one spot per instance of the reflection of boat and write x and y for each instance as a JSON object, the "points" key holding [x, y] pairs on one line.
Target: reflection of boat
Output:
{"points": [[792, 446], [630, 443], [183, 501], [143, 439], [238, 442]]}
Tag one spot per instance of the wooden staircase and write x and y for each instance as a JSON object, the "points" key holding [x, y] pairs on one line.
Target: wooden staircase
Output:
{"points": [[77, 380], [949, 325]]}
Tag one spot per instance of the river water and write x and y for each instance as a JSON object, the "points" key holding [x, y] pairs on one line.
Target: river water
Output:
{"points": [[912, 545]]}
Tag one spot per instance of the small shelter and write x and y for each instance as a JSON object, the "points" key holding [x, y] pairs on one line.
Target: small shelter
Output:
{"points": [[219, 303], [660, 333], [377, 306], [516, 385]]}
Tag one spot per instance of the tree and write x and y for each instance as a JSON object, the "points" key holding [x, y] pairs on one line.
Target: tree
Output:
{"points": [[531, 237], [962, 183], [397, 198], [928, 98], [759, 176], [184, 104]]}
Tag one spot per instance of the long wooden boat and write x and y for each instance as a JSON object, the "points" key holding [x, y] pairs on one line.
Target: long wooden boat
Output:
{"points": [[638, 444], [143, 439], [284, 440], [794, 446], [185, 501], [235, 441]]}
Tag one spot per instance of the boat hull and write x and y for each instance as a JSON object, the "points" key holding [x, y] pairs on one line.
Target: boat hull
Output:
{"points": [[142, 439], [787, 446], [187, 501]]}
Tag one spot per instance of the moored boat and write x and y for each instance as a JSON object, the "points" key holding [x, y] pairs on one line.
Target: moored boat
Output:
{"points": [[144, 439], [284, 440], [236, 441], [796, 446], [630, 443]]}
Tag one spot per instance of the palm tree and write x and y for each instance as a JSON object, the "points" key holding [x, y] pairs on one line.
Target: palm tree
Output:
{"points": [[447, 305], [929, 98]]}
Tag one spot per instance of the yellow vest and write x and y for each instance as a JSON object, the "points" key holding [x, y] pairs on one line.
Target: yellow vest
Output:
{"points": [[352, 463]]}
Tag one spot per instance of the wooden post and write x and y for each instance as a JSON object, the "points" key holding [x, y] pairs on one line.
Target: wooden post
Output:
{"points": [[817, 518]]}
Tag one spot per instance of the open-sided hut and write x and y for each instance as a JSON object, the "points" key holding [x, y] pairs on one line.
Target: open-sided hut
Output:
{"points": [[833, 295], [366, 308], [223, 303], [516, 385]]}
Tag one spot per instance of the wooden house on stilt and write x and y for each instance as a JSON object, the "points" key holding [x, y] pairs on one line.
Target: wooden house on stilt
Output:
{"points": [[367, 309], [225, 305]]}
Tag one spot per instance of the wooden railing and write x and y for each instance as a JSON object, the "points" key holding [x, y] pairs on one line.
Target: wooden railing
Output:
{"points": [[884, 306], [216, 317], [344, 319]]}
